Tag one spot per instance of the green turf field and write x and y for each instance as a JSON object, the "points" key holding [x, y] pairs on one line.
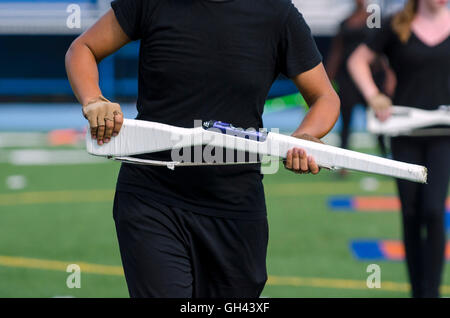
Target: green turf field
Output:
{"points": [[63, 216]]}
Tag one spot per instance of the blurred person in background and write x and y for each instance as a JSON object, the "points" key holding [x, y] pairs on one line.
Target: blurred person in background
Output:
{"points": [[417, 43], [352, 32], [200, 231]]}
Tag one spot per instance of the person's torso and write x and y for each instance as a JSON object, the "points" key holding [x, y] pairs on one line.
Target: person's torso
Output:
{"points": [[423, 72], [207, 60]]}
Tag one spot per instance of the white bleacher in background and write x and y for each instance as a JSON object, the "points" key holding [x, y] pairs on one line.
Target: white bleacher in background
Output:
{"points": [[40, 17], [324, 16]]}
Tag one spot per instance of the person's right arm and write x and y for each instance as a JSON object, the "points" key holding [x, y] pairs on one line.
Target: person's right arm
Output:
{"points": [[102, 39]]}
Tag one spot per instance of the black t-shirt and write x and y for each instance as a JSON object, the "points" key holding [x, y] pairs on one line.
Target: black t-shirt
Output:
{"points": [[204, 60], [423, 71]]}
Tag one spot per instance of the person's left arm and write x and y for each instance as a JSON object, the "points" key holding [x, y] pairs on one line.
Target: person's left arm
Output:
{"points": [[324, 103], [324, 106]]}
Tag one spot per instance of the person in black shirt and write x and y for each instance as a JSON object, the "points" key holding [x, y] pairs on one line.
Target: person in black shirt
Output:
{"points": [[352, 32], [417, 43], [200, 231]]}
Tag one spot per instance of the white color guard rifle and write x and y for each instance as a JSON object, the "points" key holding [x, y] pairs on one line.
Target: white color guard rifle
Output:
{"points": [[144, 137], [408, 121]]}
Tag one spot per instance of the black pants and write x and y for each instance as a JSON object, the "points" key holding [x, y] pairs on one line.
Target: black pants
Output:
{"points": [[423, 210], [174, 253]]}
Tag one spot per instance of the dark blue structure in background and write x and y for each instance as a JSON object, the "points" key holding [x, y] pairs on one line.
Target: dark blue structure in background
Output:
{"points": [[33, 65], [32, 72]]}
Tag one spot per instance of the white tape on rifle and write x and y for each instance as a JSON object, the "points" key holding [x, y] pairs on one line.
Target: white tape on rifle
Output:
{"points": [[143, 137]]}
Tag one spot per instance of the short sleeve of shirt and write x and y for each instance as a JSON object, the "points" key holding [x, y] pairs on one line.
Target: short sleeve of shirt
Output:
{"points": [[298, 50], [380, 39], [134, 16]]}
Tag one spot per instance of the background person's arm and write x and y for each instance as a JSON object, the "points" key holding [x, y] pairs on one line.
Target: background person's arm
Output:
{"points": [[359, 68], [324, 105], [102, 39]]}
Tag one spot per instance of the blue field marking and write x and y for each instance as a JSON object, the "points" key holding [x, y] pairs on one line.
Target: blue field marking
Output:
{"points": [[386, 250], [341, 204], [366, 250]]}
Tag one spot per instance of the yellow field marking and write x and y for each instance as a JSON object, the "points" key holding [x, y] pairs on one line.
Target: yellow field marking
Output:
{"points": [[333, 283], [322, 188], [106, 195], [65, 196], [33, 263]]}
